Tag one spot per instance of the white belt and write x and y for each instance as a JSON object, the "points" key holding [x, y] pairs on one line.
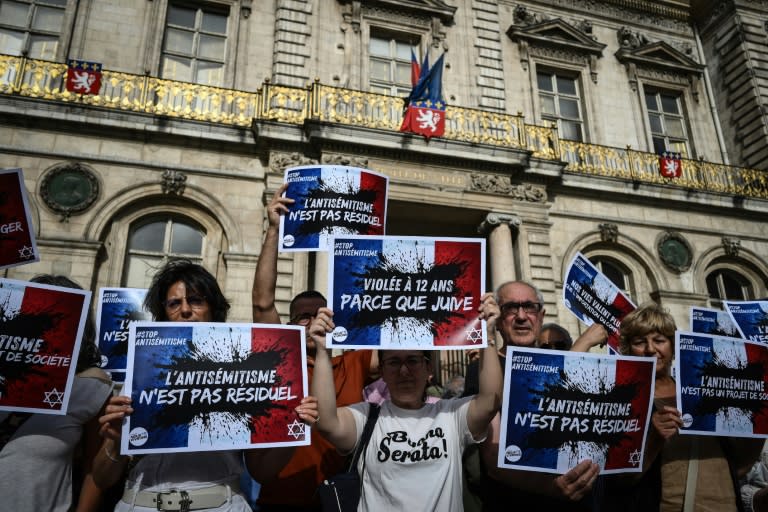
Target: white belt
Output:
{"points": [[175, 499]]}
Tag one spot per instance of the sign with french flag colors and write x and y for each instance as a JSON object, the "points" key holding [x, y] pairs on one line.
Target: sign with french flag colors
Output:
{"points": [[722, 385], [201, 386], [561, 408], [407, 292], [331, 200]]}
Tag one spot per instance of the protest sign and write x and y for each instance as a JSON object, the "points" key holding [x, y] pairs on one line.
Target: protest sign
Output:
{"points": [[331, 200], [117, 308], [17, 238], [41, 328], [201, 386], [406, 292], [750, 317], [592, 297], [563, 407], [722, 385], [712, 321]]}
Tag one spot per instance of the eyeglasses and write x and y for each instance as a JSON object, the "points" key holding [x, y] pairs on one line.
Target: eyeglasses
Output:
{"points": [[412, 363], [512, 308], [303, 319], [194, 302]]}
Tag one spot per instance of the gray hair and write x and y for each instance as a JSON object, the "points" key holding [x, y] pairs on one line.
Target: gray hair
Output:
{"points": [[539, 295]]}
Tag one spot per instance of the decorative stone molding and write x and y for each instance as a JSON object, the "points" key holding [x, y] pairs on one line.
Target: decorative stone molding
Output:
{"points": [[392, 16], [350, 161], [643, 58], [439, 34], [492, 220], [350, 14], [674, 251], [586, 27], [173, 182], [495, 184], [609, 232], [642, 12], [561, 54], [431, 14], [731, 246], [631, 39], [278, 161], [560, 39], [69, 189], [526, 18], [665, 75], [528, 192], [245, 8]]}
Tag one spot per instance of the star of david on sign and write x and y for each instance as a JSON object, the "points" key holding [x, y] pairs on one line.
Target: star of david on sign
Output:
{"points": [[53, 397], [474, 335], [26, 252], [296, 429], [634, 458]]}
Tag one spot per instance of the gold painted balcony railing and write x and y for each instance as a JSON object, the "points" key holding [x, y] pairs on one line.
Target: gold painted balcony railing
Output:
{"points": [[45, 80]]}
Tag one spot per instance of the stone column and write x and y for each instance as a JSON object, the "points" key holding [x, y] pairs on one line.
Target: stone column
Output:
{"points": [[498, 227]]}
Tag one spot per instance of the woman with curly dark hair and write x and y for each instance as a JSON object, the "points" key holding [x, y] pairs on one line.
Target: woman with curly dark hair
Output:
{"points": [[183, 291]]}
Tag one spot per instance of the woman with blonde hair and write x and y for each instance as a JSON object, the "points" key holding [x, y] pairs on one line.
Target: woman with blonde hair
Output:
{"points": [[680, 472]]}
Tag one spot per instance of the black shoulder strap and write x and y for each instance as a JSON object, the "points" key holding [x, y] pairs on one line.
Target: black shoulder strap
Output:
{"points": [[373, 415], [10, 425]]}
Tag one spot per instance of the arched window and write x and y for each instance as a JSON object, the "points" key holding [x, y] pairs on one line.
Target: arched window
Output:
{"points": [[617, 273], [727, 284], [151, 243]]}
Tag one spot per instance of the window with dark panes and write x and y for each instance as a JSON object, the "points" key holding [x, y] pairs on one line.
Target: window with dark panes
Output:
{"points": [[667, 122], [560, 102], [390, 65], [151, 244], [31, 27], [194, 45], [616, 273], [727, 284]]}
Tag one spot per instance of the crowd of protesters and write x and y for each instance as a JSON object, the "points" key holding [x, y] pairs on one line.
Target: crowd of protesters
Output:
{"points": [[41, 469]]}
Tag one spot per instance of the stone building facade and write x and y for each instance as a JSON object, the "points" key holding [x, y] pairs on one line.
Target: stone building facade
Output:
{"points": [[558, 109]]}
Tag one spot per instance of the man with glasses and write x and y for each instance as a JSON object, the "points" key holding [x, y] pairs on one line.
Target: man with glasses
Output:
{"points": [[294, 489], [520, 324], [183, 291]]}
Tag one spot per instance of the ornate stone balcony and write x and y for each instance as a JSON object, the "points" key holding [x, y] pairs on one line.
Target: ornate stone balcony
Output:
{"points": [[44, 80]]}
